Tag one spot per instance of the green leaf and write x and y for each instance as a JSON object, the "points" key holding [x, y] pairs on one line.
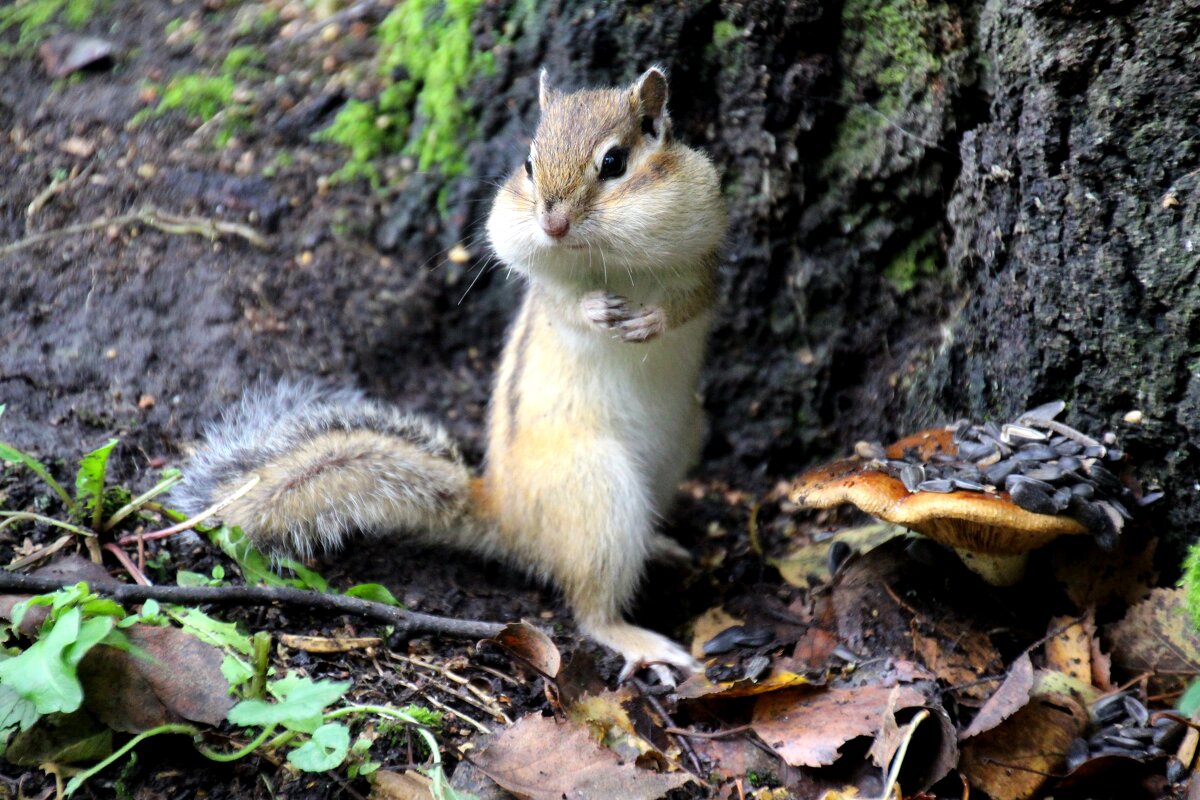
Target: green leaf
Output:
{"points": [[185, 578], [45, 674], [374, 592], [15, 710], [306, 577], [300, 702], [325, 750], [254, 565], [10, 453], [221, 634], [89, 481], [1190, 700]]}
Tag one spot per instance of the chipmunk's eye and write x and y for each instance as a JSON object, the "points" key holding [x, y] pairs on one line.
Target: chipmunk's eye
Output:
{"points": [[613, 163], [529, 168]]}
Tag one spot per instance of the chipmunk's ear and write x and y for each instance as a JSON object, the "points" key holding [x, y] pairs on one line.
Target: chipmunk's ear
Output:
{"points": [[650, 91], [546, 92]]}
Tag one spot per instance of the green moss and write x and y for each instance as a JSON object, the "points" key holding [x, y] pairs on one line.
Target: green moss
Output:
{"points": [[243, 59], [917, 260], [890, 63], [35, 20], [200, 98], [426, 59], [724, 32]]}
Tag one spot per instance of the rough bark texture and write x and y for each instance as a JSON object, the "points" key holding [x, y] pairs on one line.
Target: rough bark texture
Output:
{"points": [[937, 209]]}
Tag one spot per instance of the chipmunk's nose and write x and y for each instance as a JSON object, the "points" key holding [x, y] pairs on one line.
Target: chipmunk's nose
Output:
{"points": [[554, 223]]}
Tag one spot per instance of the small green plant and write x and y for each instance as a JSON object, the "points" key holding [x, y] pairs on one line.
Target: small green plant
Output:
{"points": [[34, 19], [201, 98], [426, 58]]}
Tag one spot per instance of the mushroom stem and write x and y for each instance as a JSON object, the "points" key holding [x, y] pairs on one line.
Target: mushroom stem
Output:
{"points": [[995, 569]]}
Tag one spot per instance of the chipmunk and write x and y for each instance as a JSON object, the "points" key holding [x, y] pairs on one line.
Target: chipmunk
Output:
{"points": [[616, 227]]}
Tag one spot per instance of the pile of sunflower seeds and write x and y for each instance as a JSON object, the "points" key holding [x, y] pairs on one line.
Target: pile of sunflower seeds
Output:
{"points": [[1123, 727], [1045, 466]]}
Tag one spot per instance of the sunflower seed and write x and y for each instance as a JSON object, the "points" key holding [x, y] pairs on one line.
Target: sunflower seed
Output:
{"points": [[1095, 451], [1136, 711], [998, 472], [869, 450], [1069, 463], [976, 451], [1036, 452], [1046, 411], [1149, 497], [912, 475], [1068, 448], [1109, 709], [1115, 455], [1123, 741], [1077, 753], [1061, 498], [940, 486], [970, 486], [1019, 434], [1013, 480], [1043, 472], [1031, 498], [1167, 733], [1084, 490], [1109, 437]]}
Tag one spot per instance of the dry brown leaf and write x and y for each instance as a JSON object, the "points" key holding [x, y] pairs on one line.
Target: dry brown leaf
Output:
{"points": [[959, 657], [1011, 697], [1157, 637], [1069, 650], [699, 685], [400, 786], [607, 717], [808, 728], [538, 758], [932, 750], [180, 679], [808, 564], [526, 642], [1013, 760], [708, 625], [328, 644]]}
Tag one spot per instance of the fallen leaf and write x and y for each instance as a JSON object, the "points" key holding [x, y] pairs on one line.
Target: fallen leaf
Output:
{"points": [[708, 625], [807, 728], [324, 644], [808, 564], [407, 785], [526, 642], [65, 54], [69, 569], [61, 738], [1156, 636], [1069, 650], [1011, 697], [181, 678], [699, 685], [932, 748], [538, 758], [607, 717], [1013, 760]]}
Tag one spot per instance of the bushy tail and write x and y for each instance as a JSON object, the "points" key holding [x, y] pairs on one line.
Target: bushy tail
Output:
{"points": [[330, 463]]}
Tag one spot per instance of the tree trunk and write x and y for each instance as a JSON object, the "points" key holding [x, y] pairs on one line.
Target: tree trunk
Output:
{"points": [[938, 209]]}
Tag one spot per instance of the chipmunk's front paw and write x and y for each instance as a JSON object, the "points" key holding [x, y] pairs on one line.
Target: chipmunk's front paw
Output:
{"points": [[611, 312]]}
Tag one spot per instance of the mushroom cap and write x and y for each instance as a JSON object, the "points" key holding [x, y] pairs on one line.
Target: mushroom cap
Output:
{"points": [[978, 522]]}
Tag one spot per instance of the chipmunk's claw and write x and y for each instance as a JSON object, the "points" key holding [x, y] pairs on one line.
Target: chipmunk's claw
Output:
{"points": [[611, 312]]}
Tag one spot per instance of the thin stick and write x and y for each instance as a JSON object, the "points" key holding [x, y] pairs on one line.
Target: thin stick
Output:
{"points": [[898, 758], [134, 572], [162, 220], [187, 524], [137, 502], [406, 623], [433, 701], [41, 552], [682, 741]]}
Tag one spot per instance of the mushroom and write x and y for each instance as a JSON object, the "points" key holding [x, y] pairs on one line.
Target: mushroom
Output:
{"points": [[991, 533]]}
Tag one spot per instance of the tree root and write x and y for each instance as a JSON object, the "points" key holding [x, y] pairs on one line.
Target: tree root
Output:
{"points": [[406, 623]]}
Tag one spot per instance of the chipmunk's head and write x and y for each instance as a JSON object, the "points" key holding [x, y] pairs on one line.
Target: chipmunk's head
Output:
{"points": [[605, 184]]}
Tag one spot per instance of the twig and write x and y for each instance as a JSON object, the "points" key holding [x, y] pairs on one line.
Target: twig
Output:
{"points": [[155, 218], [56, 187], [406, 623], [41, 552], [901, 751], [682, 741], [138, 576], [740, 729], [433, 701], [187, 524], [137, 502]]}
